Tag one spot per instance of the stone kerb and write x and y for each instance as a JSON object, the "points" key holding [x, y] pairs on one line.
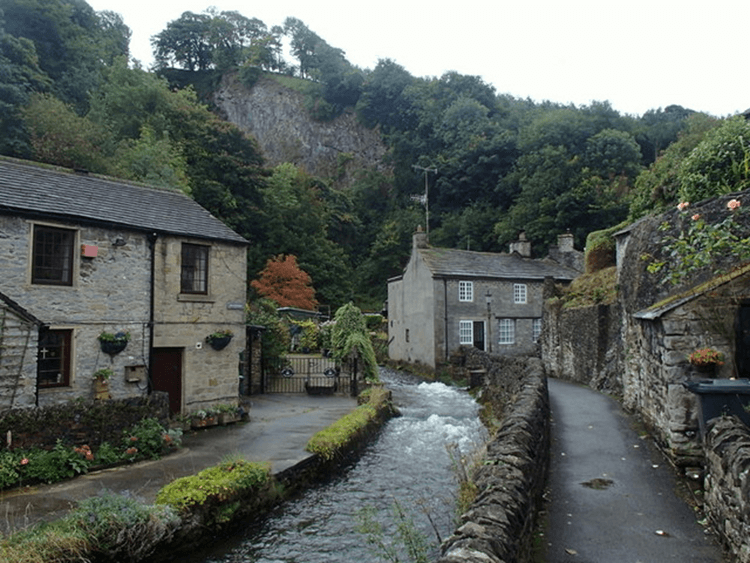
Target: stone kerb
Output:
{"points": [[727, 483], [499, 525]]}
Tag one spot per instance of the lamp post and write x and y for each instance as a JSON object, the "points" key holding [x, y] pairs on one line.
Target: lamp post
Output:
{"points": [[488, 298]]}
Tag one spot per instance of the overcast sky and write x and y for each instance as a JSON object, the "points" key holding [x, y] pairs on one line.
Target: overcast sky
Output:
{"points": [[638, 54]]}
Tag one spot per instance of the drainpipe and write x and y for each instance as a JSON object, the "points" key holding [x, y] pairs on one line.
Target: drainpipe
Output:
{"points": [[152, 305], [445, 317]]}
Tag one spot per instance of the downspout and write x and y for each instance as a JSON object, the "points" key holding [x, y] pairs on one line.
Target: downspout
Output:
{"points": [[152, 237], [445, 317]]}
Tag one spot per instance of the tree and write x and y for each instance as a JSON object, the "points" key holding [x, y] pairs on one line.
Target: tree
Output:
{"points": [[719, 164], [285, 283], [185, 42]]}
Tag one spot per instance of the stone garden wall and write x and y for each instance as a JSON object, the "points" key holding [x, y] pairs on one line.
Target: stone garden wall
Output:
{"points": [[499, 525], [727, 484], [81, 422]]}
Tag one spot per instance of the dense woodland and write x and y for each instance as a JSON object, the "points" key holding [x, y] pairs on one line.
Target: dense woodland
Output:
{"points": [[71, 96]]}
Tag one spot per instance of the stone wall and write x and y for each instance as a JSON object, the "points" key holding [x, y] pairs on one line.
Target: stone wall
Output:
{"points": [[727, 484], [584, 345], [109, 293], [498, 527], [184, 320], [81, 422]]}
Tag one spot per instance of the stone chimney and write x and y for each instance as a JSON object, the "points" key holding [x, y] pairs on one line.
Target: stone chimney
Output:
{"points": [[565, 242], [522, 246], [420, 238]]}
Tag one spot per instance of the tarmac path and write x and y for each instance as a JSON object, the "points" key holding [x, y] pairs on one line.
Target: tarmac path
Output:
{"points": [[613, 496], [280, 427]]}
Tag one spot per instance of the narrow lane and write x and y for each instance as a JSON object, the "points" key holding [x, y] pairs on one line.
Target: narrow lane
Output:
{"points": [[612, 494]]}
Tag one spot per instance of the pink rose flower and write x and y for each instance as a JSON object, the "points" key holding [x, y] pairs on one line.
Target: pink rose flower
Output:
{"points": [[683, 205], [733, 204], [696, 217]]}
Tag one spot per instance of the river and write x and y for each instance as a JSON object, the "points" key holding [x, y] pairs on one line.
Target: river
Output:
{"points": [[409, 464]]}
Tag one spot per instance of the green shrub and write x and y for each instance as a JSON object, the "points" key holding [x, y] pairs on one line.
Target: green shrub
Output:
{"points": [[148, 437], [219, 483], [121, 527], [340, 435], [248, 75], [10, 469], [62, 462], [107, 454]]}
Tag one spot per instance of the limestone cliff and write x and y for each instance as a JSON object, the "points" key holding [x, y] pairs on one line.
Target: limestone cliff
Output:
{"points": [[276, 116]]}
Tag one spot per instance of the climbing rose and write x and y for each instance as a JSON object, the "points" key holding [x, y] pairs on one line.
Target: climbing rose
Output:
{"points": [[696, 217], [683, 205], [733, 204]]}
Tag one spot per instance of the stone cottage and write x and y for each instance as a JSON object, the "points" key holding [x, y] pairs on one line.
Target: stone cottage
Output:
{"points": [[448, 298], [83, 255]]}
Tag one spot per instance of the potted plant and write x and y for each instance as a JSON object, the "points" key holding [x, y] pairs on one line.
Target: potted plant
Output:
{"points": [[220, 339], [227, 413], [706, 360], [101, 383], [204, 418], [113, 344]]}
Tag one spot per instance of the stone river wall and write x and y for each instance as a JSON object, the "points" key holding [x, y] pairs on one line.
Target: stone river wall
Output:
{"points": [[499, 525]]}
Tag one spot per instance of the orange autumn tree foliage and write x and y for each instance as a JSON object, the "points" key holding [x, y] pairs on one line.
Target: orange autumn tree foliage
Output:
{"points": [[284, 282]]}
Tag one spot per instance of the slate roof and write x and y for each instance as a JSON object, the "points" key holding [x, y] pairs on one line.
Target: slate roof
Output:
{"points": [[444, 262], [30, 189]]}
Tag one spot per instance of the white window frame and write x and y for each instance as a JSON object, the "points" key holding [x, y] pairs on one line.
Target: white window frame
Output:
{"points": [[506, 331], [466, 333], [520, 293], [536, 328], [466, 291]]}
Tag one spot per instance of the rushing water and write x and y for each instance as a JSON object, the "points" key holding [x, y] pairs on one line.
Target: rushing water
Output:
{"points": [[409, 463]]}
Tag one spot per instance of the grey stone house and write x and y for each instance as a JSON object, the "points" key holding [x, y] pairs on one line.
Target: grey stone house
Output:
{"points": [[81, 255], [448, 298]]}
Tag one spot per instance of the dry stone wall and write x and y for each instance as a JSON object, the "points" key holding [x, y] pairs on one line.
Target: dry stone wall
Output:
{"points": [[727, 484], [499, 525]]}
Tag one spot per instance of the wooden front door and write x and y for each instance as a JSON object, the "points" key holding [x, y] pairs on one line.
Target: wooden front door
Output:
{"points": [[479, 335], [742, 341], [167, 375]]}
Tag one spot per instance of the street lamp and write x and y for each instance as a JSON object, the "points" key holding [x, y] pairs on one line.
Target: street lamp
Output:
{"points": [[488, 299]]}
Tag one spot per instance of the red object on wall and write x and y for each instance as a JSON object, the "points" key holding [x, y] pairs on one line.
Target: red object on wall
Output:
{"points": [[89, 251]]}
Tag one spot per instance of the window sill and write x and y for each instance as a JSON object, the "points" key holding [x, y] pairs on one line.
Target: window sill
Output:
{"points": [[195, 298]]}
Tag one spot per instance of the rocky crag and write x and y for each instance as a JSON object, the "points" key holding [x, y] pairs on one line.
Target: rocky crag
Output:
{"points": [[277, 118]]}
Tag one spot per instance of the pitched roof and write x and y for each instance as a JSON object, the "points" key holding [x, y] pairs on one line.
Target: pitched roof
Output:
{"points": [[18, 310], [465, 263], [57, 193]]}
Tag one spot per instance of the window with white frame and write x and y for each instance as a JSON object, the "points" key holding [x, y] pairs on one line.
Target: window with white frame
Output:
{"points": [[466, 332], [519, 293], [465, 291], [506, 331], [536, 329]]}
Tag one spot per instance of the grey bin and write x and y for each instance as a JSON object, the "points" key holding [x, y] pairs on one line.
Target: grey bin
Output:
{"points": [[721, 397]]}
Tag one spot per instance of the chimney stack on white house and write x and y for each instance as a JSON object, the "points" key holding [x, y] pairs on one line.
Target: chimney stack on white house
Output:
{"points": [[565, 242], [521, 246]]}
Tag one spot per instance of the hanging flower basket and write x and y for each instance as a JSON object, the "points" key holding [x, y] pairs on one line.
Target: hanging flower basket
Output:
{"points": [[113, 344], [220, 339]]}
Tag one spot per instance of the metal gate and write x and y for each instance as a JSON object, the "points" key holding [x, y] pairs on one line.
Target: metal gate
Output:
{"points": [[314, 375]]}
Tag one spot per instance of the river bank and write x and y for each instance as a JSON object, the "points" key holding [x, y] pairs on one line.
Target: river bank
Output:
{"points": [[285, 435]]}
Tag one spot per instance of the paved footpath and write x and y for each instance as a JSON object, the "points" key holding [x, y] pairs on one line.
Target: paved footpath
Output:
{"points": [[612, 494], [280, 427]]}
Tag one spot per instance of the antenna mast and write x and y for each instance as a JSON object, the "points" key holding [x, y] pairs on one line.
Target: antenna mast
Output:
{"points": [[426, 198]]}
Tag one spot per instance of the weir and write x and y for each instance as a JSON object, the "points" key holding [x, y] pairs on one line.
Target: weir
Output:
{"points": [[412, 463]]}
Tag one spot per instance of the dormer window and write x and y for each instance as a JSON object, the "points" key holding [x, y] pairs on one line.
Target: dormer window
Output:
{"points": [[465, 291]]}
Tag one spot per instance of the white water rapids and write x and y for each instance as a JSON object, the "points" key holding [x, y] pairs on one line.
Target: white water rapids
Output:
{"points": [[409, 462]]}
